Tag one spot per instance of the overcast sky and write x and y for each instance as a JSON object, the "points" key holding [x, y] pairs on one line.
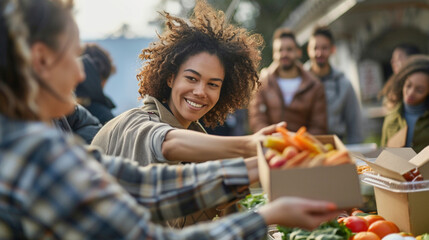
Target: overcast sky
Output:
{"points": [[99, 18]]}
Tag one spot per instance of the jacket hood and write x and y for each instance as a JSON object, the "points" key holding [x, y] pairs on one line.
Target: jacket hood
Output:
{"points": [[91, 89]]}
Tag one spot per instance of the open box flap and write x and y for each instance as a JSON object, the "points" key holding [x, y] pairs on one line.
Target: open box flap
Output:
{"points": [[399, 139], [392, 161], [384, 171], [421, 160], [405, 153]]}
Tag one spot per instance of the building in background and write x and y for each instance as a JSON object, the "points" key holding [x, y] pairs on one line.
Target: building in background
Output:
{"points": [[366, 31]]}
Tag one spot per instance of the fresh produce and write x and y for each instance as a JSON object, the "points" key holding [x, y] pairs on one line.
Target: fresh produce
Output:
{"points": [[356, 224], [397, 236], [363, 168], [423, 237], [383, 228], [327, 231], [366, 236], [413, 175], [253, 201], [300, 149], [373, 218]]}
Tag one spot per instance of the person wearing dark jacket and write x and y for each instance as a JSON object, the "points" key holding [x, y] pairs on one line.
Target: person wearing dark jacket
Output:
{"points": [[80, 122], [98, 67]]}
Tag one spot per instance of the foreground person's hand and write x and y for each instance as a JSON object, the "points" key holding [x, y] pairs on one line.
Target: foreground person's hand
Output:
{"points": [[298, 212]]}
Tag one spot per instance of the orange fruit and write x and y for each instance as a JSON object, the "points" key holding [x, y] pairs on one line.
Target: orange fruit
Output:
{"points": [[373, 218], [366, 236], [383, 228]]}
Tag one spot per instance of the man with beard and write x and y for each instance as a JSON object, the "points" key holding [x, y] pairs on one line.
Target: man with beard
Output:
{"points": [[288, 92], [343, 109]]}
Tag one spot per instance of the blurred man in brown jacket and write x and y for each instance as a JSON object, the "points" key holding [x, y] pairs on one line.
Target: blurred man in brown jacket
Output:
{"points": [[288, 92]]}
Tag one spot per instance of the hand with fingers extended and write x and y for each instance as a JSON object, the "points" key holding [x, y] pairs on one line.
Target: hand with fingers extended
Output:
{"points": [[298, 212], [269, 130]]}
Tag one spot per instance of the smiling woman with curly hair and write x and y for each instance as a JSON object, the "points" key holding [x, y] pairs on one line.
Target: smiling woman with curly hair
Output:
{"points": [[237, 51], [201, 68]]}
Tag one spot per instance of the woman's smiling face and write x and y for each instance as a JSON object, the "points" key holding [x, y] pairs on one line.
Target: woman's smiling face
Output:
{"points": [[196, 88]]}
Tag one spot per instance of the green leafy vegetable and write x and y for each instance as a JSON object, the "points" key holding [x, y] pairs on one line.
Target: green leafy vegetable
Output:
{"points": [[253, 200], [331, 230]]}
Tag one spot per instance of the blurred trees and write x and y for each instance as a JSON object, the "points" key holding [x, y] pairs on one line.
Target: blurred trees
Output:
{"points": [[259, 16]]}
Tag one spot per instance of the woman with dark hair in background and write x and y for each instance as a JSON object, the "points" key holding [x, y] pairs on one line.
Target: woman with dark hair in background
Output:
{"points": [[98, 67], [52, 187], [408, 123]]}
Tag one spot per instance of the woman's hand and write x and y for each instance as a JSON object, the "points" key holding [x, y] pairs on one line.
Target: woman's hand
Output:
{"points": [[260, 135], [298, 212]]}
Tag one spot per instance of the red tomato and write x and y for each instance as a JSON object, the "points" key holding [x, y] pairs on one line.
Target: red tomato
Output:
{"points": [[356, 224]]}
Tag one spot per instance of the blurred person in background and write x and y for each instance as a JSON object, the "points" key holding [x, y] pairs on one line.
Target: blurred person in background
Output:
{"points": [[81, 122], [54, 187], [408, 123], [399, 55], [288, 92], [343, 109], [236, 124], [98, 68]]}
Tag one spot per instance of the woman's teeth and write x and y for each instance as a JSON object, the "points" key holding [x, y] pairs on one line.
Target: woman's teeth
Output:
{"points": [[194, 104]]}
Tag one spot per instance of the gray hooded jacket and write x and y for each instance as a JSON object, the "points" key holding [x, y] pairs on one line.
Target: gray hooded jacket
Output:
{"points": [[344, 112]]}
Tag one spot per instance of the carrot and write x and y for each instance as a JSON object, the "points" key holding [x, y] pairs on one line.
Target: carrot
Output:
{"points": [[307, 144], [288, 138], [297, 160]]}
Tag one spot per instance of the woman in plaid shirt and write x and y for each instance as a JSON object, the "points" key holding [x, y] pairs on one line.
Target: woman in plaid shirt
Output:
{"points": [[52, 187]]}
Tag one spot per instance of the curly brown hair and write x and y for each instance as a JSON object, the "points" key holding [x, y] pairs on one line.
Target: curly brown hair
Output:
{"points": [[392, 90], [206, 31]]}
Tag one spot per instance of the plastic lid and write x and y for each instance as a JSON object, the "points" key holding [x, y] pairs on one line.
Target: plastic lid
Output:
{"points": [[376, 180]]}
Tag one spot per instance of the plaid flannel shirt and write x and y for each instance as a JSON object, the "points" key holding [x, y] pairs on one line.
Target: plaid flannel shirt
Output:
{"points": [[52, 187]]}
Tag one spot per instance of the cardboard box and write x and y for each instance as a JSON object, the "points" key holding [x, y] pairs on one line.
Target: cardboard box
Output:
{"points": [[339, 184], [395, 162], [404, 203]]}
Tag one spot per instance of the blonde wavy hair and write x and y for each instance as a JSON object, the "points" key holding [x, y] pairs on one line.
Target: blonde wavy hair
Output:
{"points": [[18, 88], [24, 22]]}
